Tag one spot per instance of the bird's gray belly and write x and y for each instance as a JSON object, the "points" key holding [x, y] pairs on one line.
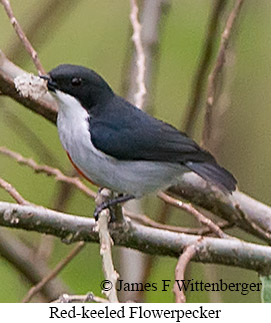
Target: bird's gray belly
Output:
{"points": [[133, 177]]}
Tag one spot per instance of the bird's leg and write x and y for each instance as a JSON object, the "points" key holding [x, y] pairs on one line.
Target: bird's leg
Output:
{"points": [[110, 203]]}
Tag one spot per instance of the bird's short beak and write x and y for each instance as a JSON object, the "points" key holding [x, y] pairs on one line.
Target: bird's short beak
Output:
{"points": [[52, 86]]}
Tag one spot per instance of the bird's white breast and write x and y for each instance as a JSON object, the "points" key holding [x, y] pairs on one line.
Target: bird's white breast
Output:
{"points": [[132, 177]]}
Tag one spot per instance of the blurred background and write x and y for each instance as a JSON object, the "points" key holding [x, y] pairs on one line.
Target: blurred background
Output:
{"points": [[97, 34]]}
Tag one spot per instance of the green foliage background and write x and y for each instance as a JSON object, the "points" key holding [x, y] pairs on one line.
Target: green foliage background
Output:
{"points": [[95, 34]]}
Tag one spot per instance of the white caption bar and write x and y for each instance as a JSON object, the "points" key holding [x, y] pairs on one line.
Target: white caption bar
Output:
{"points": [[132, 312]]}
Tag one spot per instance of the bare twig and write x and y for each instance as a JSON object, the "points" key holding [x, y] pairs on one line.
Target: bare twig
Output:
{"points": [[183, 261], [35, 289], [199, 216], [222, 103], [139, 97], [213, 77], [143, 219], [21, 257], [47, 15], [153, 18], [22, 36], [50, 171], [111, 276], [88, 298], [13, 192], [61, 199], [199, 79], [26, 133]]}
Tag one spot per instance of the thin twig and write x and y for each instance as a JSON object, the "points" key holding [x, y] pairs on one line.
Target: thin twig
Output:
{"points": [[21, 257], [13, 192], [61, 199], [110, 274], [22, 36], [222, 103], [50, 171], [89, 297], [213, 77], [199, 79], [182, 263], [139, 96], [144, 219], [25, 132], [48, 14], [35, 289], [190, 209]]}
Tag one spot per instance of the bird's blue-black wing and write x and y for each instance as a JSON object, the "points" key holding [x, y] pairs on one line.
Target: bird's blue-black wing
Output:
{"points": [[122, 131]]}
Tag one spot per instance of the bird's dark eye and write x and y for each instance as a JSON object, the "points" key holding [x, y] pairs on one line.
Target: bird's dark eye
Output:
{"points": [[76, 81]]}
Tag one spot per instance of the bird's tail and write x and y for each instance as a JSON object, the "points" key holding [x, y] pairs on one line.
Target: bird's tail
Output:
{"points": [[215, 174]]}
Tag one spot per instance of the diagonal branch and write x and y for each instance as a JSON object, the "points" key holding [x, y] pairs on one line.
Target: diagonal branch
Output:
{"points": [[13, 192], [50, 171], [213, 77], [190, 209], [144, 219], [198, 84], [20, 256], [31, 51], [35, 289]]}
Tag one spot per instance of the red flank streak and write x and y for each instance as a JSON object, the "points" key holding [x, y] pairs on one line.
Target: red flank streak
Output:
{"points": [[79, 170]]}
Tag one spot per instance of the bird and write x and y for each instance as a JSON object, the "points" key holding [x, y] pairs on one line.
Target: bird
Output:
{"points": [[115, 145]]}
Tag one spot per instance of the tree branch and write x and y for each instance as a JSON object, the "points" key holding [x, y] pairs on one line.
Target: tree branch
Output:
{"points": [[213, 77], [50, 171], [139, 96], [247, 213], [71, 228], [106, 242], [31, 51], [21, 258], [199, 216], [144, 219], [46, 279], [182, 263], [198, 84], [13, 192]]}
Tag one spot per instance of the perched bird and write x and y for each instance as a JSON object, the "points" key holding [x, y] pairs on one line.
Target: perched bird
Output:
{"points": [[116, 145]]}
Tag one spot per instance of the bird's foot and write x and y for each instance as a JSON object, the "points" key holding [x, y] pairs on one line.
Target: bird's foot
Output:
{"points": [[109, 204]]}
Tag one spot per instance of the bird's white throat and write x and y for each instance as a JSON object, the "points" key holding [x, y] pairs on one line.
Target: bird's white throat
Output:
{"points": [[69, 105]]}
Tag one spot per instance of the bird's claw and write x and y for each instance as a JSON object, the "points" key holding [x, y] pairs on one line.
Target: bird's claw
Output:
{"points": [[100, 208]]}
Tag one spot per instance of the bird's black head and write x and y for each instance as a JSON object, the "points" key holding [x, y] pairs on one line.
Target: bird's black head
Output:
{"points": [[85, 85]]}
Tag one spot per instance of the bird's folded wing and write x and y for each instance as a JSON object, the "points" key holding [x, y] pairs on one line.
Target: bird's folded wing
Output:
{"points": [[139, 136]]}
